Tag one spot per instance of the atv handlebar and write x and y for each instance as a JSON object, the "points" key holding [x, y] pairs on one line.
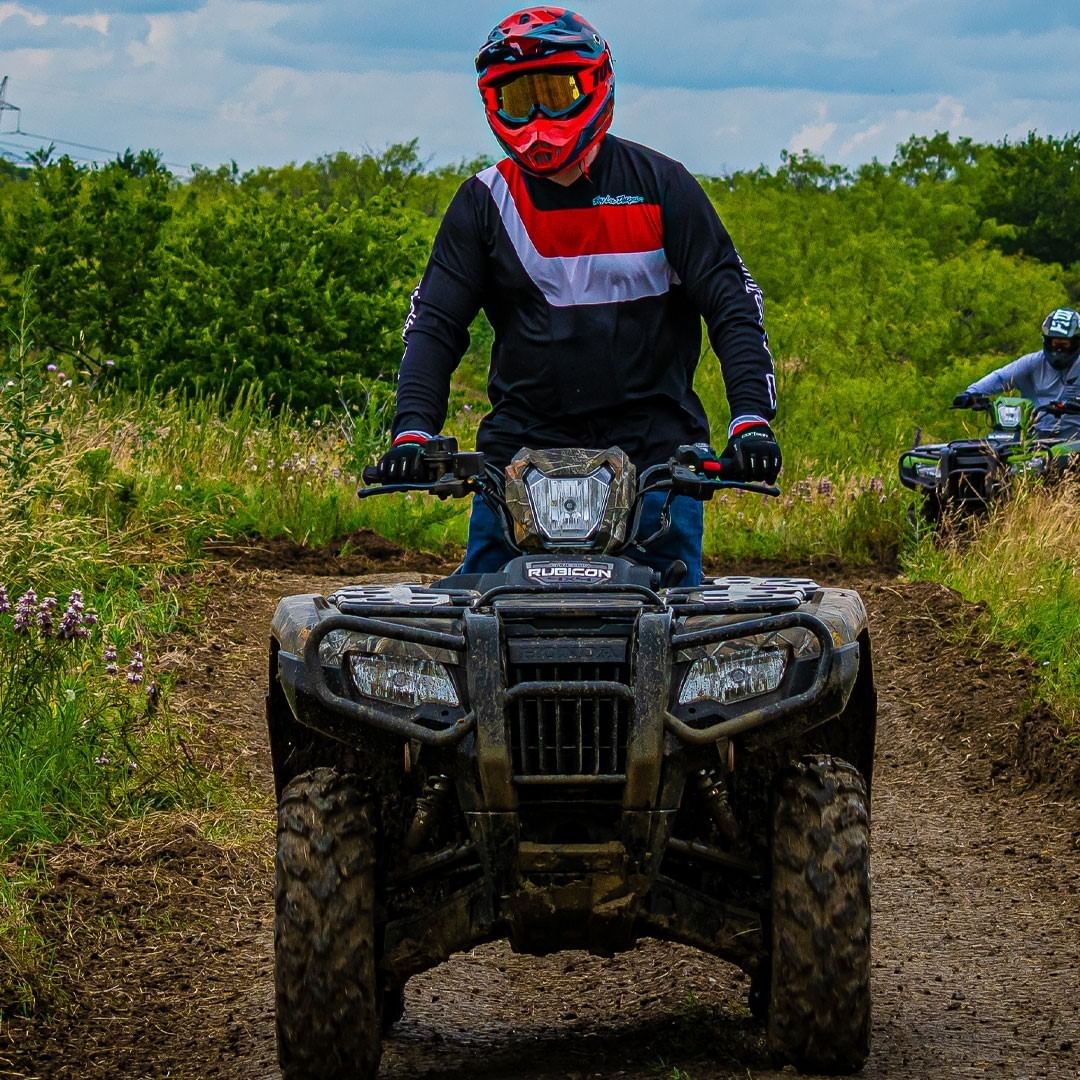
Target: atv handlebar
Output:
{"points": [[1067, 407], [454, 474]]}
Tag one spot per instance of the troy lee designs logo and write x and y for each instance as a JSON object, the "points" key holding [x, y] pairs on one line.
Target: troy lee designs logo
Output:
{"points": [[618, 200], [549, 572]]}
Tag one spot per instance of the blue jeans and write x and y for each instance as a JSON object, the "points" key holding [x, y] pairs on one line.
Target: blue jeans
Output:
{"points": [[488, 550]]}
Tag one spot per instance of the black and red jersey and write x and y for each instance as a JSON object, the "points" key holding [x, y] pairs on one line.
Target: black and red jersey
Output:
{"points": [[595, 293]]}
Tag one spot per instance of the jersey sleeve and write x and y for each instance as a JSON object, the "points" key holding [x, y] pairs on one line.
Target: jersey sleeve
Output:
{"points": [[436, 331], [717, 281], [1015, 376]]}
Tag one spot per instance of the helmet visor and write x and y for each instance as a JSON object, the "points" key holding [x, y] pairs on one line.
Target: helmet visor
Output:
{"points": [[551, 93], [1062, 345]]}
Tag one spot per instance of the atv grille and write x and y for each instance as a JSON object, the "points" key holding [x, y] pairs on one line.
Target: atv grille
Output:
{"points": [[576, 734]]}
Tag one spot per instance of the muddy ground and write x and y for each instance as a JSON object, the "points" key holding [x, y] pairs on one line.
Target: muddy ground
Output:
{"points": [[164, 937]]}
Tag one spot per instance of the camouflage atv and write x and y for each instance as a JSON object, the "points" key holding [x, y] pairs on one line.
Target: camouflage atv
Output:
{"points": [[573, 752], [966, 476]]}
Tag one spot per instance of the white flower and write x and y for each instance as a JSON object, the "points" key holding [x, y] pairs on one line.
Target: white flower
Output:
{"points": [[179, 487]]}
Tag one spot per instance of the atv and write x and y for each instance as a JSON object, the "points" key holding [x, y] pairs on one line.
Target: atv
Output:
{"points": [[965, 477], [572, 753]]}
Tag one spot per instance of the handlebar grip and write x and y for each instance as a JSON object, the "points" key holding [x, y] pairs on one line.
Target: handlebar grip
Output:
{"points": [[370, 474], [711, 467]]}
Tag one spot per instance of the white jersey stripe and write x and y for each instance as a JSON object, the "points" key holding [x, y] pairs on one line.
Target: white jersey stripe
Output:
{"points": [[571, 281]]}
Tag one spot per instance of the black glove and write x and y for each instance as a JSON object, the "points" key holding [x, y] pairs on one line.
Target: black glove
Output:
{"points": [[968, 400], [403, 463], [752, 452]]}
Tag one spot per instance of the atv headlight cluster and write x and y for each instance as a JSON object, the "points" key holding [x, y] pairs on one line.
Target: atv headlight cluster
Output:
{"points": [[400, 680], [735, 671], [568, 508]]}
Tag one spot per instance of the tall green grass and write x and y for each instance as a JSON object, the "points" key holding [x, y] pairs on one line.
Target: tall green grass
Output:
{"points": [[1023, 565]]}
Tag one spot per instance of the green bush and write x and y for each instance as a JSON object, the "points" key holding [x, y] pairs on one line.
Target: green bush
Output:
{"points": [[262, 287]]}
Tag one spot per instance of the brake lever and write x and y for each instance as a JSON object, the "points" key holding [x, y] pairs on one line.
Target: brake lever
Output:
{"points": [[685, 481], [447, 486]]}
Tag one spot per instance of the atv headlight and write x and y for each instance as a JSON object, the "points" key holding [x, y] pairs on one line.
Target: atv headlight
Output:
{"points": [[568, 508], [1008, 415], [734, 672], [401, 681]]}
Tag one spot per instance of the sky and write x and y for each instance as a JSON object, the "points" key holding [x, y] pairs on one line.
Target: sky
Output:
{"points": [[720, 85]]}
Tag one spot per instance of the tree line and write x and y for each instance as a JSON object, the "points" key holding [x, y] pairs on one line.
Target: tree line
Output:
{"points": [[299, 276]]}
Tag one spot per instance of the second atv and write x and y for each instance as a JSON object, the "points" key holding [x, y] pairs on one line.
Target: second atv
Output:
{"points": [[966, 476]]}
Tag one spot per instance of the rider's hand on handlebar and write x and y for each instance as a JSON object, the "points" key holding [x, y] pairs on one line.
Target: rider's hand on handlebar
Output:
{"points": [[968, 400], [403, 463], [752, 452]]}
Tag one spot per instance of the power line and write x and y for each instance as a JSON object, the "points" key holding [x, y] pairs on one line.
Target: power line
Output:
{"points": [[87, 146], [64, 142], [53, 139]]}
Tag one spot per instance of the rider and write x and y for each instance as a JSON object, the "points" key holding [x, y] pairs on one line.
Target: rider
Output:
{"points": [[1052, 374], [595, 260]]}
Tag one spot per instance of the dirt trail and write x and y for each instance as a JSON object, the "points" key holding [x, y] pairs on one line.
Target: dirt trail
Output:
{"points": [[976, 908]]}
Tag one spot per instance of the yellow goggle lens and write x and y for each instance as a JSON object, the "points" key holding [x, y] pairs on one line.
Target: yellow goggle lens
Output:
{"points": [[552, 93]]}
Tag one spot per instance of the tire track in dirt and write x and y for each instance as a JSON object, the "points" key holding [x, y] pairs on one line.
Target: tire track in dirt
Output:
{"points": [[976, 908]]}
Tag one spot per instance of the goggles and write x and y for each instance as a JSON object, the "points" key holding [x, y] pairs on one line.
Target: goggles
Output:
{"points": [[1062, 344], [553, 94]]}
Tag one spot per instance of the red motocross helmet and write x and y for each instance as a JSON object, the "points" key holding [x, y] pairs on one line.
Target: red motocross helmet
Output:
{"points": [[548, 87]]}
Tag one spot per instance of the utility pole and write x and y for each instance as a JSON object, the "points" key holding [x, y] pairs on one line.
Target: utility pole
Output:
{"points": [[6, 106]]}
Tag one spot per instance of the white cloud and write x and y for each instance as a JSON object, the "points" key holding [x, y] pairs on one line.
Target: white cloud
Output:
{"points": [[97, 22], [850, 145], [33, 18], [158, 46], [267, 82], [814, 136]]}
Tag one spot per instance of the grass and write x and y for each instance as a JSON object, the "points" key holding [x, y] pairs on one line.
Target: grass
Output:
{"points": [[26, 976], [1023, 565]]}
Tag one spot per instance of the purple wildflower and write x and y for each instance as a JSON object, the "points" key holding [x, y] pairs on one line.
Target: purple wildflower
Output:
{"points": [[50, 367], [71, 622], [876, 484], [5, 603], [25, 608], [135, 668], [824, 486], [45, 615]]}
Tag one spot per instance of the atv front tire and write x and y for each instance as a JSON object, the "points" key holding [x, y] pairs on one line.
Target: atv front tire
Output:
{"points": [[819, 1007], [328, 993]]}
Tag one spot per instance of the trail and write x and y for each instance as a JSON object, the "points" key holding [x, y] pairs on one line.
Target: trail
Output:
{"points": [[976, 878]]}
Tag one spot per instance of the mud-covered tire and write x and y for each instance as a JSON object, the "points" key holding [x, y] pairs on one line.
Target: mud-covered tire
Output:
{"points": [[819, 999], [328, 993]]}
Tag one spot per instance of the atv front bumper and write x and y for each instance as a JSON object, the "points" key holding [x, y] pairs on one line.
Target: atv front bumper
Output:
{"points": [[648, 637]]}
